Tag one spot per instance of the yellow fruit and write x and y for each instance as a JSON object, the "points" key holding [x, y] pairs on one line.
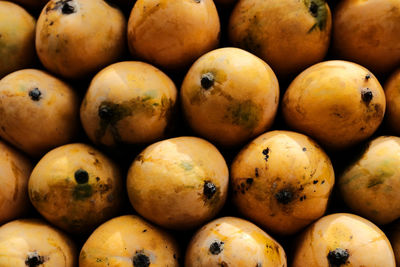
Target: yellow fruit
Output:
{"points": [[128, 241], [282, 181], [178, 183], [229, 96], [338, 103], [128, 102], [392, 93], [75, 187], [230, 241]]}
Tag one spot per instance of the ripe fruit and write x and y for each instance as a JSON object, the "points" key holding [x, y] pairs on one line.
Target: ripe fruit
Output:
{"points": [[178, 183], [128, 102], [129, 241], [338, 103], [230, 241], [37, 111], [392, 93], [229, 96], [282, 181], [75, 187]]}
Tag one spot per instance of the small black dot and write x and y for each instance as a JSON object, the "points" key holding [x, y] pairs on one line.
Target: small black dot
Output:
{"points": [[209, 189], [304, 149], [216, 247], [35, 94], [81, 176], [367, 77], [207, 80], [315, 181], [265, 153]]}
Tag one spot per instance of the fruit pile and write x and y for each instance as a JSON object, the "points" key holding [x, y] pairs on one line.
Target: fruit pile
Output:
{"points": [[199, 133]]}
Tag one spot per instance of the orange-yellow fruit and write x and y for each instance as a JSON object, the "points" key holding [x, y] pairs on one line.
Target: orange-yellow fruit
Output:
{"points": [[336, 102], [178, 183], [75, 38], [173, 33], [282, 181], [395, 241], [229, 96], [129, 241], [128, 102], [392, 93], [230, 241], [37, 111]]}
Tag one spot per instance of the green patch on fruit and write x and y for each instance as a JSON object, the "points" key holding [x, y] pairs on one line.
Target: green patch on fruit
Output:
{"points": [[186, 165], [243, 113], [82, 191], [250, 40], [319, 10]]}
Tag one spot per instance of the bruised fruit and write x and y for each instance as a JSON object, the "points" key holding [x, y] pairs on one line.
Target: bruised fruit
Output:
{"points": [[37, 111], [73, 40], [129, 241], [229, 96], [128, 102], [340, 240], [282, 181], [17, 38], [178, 183], [15, 169], [173, 33], [230, 241], [371, 185], [289, 35], [33, 243], [338, 103], [392, 93], [75, 187]]}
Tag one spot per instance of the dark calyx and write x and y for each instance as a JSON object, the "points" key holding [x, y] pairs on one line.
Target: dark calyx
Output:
{"points": [[284, 196], [207, 80], [81, 176], [140, 260], [35, 94], [66, 7], [209, 189], [338, 257], [216, 247], [366, 95], [34, 259], [105, 112], [313, 9]]}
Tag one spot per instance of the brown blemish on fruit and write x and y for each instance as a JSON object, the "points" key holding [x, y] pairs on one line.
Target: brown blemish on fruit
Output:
{"points": [[35, 94], [284, 196], [366, 95], [266, 153], [338, 257], [34, 259], [367, 77], [140, 260], [207, 80], [304, 149], [209, 189], [256, 172], [216, 247], [244, 185]]}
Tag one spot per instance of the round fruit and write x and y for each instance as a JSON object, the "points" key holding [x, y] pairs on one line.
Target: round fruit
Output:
{"points": [[367, 32], [128, 102], [289, 35], [230, 241], [15, 169], [173, 33], [37, 111], [31, 242], [282, 181], [73, 40], [17, 38], [392, 93], [230, 96], [178, 183], [338, 103], [343, 240], [75, 187], [129, 241]]}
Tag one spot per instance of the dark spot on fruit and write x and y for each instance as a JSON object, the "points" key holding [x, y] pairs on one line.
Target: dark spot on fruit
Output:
{"points": [[51, 23], [197, 1], [34, 259], [256, 172], [216, 247], [366, 96], [304, 149], [367, 77], [315, 182], [209, 189], [265, 153], [140, 260], [338, 257], [35, 94], [319, 11], [249, 181], [82, 191], [174, 256], [144, 231], [105, 112], [284, 196], [303, 198], [67, 8], [97, 179], [81, 176], [223, 264], [207, 80], [313, 9], [323, 181], [259, 264]]}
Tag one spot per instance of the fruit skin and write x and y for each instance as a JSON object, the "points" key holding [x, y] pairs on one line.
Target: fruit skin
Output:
{"points": [[336, 102], [78, 42], [15, 169], [17, 42], [173, 33], [240, 104], [364, 242], [73, 203], [21, 238], [230, 241], [178, 183], [118, 241], [371, 186], [139, 100], [289, 35], [392, 93], [37, 111], [282, 181], [367, 32]]}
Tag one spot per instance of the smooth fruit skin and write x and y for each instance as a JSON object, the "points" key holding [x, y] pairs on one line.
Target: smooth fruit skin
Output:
{"points": [[289, 35], [178, 183], [392, 93], [338, 103], [367, 32], [128, 102], [73, 40], [230, 96], [37, 111], [129, 241], [173, 33], [371, 186], [282, 181], [362, 242], [230, 241], [15, 169], [17, 41], [75, 187], [32, 242]]}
